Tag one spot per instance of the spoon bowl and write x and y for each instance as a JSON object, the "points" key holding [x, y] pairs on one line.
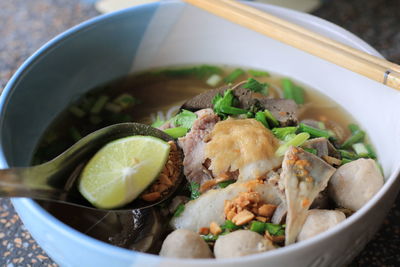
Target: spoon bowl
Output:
{"points": [[56, 180]]}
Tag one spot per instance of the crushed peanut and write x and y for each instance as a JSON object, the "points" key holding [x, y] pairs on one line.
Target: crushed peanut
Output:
{"points": [[274, 238], [261, 219], [215, 229], [167, 178], [243, 217], [266, 210]]}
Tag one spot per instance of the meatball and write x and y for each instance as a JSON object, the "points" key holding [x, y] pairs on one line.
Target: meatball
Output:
{"points": [[241, 243], [184, 243], [319, 221], [354, 183]]}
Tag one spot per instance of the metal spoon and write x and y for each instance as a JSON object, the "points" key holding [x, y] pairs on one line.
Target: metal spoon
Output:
{"points": [[56, 180]]}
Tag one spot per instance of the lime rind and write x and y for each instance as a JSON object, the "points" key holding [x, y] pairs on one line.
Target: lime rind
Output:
{"points": [[121, 170]]}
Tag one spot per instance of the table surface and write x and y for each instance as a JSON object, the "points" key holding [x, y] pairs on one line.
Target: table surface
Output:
{"points": [[26, 25]]}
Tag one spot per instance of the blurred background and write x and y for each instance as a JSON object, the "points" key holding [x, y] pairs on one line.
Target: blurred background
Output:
{"points": [[27, 25]]}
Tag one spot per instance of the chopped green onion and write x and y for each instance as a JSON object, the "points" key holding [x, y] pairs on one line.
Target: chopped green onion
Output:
{"points": [[184, 119], [314, 132], [250, 114], [214, 80], [77, 112], [125, 101], [271, 118], [256, 86], [200, 72], [310, 150], [194, 190], [176, 132], [114, 108], [258, 73], [321, 125], [260, 116], [358, 136], [281, 133], [210, 237], [348, 154], [179, 210], [258, 227], [230, 226], [99, 104], [158, 122], [371, 151], [275, 229], [291, 91], [225, 183], [360, 149], [75, 134], [353, 128], [234, 75], [345, 160], [95, 119], [298, 140]]}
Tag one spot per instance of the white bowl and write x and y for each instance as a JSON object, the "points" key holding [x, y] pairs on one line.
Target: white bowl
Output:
{"points": [[163, 34]]}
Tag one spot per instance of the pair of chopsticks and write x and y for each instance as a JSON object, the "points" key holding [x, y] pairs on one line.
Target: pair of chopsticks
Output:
{"points": [[375, 68]]}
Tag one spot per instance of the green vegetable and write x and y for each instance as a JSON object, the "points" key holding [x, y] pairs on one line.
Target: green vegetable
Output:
{"points": [[258, 227], [157, 123], [176, 132], [275, 229], [75, 134], [371, 151], [184, 119], [291, 91], [348, 155], [234, 75], [281, 133], [360, 149], [258, 73], [200, 72], [260, 116], [125, 101], [353, 128], [78, 112], [229, 226], [255, 86], [321, 125], [358, 136], [270, 118], [210, 237], [225, 183], [314, 132], [310, 150], [179, 210], [99, 104], [194, 190], [223, 105], [344, 161], [298, 140]]}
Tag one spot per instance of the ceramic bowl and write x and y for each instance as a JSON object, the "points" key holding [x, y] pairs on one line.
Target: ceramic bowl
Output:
{"points": [[171, 33]]}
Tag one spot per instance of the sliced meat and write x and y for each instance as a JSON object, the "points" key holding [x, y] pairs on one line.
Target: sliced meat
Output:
{"points": [[209, 206], [319, 221], [323, 147], [193, 145], [304, 175], [284, 110], [354, 183]]}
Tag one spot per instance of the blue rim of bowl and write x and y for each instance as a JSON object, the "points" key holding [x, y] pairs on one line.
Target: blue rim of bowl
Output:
{"points": [[122, 253]]}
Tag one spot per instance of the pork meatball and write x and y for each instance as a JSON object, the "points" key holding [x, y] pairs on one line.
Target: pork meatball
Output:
{"points": [[354, 183], [241, 243], [319, 221], [184, 243]]}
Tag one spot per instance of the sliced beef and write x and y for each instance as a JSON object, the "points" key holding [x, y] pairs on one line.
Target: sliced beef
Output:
{"points": [[304, 176], [323, 147], [284, 110], [193, 146]]}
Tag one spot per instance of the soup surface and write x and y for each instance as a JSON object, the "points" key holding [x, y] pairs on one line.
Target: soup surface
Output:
{"points": [[152, 97]]}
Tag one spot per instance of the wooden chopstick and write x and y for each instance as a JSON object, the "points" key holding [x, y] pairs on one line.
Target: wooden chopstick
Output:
{"points": [[367, 65]]}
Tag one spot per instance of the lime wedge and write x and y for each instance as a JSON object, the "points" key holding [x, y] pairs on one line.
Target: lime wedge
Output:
{"points": [[122, 169]]}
